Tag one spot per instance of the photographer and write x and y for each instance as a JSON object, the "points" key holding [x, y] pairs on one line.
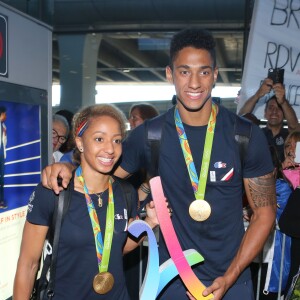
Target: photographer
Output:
{"points": [[276, 110]]}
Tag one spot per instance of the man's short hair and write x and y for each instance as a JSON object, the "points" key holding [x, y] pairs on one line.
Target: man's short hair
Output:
{"points": [[192, 37]]}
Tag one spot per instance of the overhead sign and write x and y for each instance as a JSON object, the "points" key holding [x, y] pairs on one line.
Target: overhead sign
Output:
{"points": [[3, 46], [273, 43]]}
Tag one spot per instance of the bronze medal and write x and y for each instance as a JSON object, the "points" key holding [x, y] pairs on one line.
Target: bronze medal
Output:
{"points": [[103, 282], [200, 210]]}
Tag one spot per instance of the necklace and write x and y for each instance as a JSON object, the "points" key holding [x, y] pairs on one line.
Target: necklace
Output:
{"points": [[100, 201], [99, 195]]}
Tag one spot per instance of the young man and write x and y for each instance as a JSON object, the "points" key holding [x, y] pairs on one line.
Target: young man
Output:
{"points": [[221, 238], [276, 110]]}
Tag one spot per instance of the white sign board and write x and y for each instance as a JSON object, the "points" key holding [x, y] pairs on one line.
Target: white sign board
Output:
{"points": [[274, 41]]}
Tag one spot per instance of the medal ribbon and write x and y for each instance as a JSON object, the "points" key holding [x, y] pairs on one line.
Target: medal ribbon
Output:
{"points": [[102, 250], [198, 187]]}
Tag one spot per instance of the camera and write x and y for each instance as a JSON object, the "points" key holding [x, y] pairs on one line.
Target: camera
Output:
{"points": [[277, 75]]}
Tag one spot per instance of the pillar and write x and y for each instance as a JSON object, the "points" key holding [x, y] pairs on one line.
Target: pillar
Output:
{"points": [[78, 70]]}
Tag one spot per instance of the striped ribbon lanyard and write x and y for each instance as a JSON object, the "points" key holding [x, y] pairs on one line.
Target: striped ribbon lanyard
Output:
{"points": [[198, 187], [102, 249]]}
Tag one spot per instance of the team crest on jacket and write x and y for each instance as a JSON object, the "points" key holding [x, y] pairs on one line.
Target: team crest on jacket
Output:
{"points": [[219, 165]]}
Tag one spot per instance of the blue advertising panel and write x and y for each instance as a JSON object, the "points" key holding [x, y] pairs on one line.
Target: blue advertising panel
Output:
{"points": [[23, 154], [22, 163]]}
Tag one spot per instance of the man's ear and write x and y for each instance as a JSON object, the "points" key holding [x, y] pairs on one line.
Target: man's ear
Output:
{"points": [[169, 74], [216, 72]]}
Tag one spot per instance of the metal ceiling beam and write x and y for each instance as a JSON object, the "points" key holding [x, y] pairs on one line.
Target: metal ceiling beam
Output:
{"points": [[130, 50], [102, 76], [110, 61]]}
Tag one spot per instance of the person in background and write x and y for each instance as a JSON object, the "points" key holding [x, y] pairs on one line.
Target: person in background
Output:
{"points": [[289, 221], [219, 236], [140, 112], [69, 144], [277, 109], [60, 133], [97, 201], [3, 143], [274, 261], [290, 150], [249, 105]]}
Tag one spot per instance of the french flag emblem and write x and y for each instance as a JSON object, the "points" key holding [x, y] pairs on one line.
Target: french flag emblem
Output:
{"points": [[219, 165]]}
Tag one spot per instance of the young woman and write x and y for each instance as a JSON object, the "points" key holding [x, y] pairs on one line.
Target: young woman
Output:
{"points": [[98, 131]]}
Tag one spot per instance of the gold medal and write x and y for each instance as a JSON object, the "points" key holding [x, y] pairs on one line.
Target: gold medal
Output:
{"points": [[103, 282], [200, 210]]}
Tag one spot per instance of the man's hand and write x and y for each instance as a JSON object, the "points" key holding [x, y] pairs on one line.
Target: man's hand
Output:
{"points": [[279, 91], [265, 88], [288, 111], [58, 170], [218, 289]]}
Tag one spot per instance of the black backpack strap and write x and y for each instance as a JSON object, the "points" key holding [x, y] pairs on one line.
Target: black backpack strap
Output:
{"points": [[242, 134], [128, 192], [60, 210], [59, 216], [154, 133], [66, 207]]}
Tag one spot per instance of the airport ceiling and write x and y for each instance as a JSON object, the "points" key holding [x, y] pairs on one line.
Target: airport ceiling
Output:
{"points": [[136, 33]]}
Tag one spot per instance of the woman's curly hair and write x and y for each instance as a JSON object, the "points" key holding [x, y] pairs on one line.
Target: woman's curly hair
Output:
{"points": [[83, 117]]}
